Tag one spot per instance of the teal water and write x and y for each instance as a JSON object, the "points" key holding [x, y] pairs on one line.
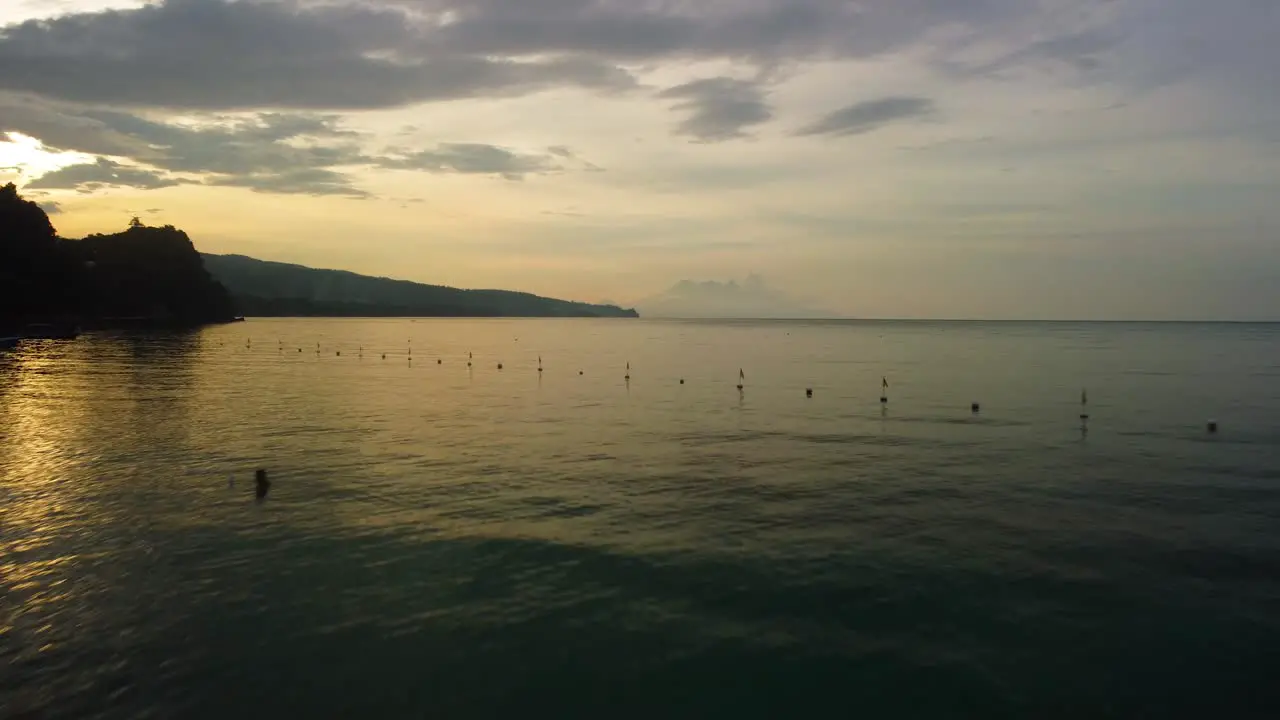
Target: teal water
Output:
{"points": [[445, 541]]}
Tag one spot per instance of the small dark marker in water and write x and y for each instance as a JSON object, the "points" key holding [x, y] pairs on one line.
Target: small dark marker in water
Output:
{"points": [[579, 372], [681, 381], [384, 356], [975, 407], [499, 366], [808, 392], [439, 361], [263, 485], [1212, 427], [339, 353]]}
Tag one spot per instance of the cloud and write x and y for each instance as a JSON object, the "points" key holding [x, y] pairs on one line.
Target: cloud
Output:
{"points": [[88, 177], [219, 55], [268, 152], [863, 117], [718, 108], [304, 181], [363, 54], [478, 159], [50, 207]]}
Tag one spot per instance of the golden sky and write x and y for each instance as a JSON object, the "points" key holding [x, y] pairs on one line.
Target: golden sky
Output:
{"points": [[885, 158]]}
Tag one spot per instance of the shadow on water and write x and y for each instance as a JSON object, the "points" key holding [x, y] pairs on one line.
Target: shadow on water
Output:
{"points": [[475, 627]]}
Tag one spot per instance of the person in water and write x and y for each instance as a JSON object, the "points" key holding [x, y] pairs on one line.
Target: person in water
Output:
{"points": [[263, 484]]}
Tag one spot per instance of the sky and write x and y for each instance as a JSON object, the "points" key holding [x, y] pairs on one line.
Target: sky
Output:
{"points": [[1037, 159]]}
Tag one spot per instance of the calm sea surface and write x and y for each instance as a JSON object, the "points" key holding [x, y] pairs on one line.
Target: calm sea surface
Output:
{"points": [[445, 541]]}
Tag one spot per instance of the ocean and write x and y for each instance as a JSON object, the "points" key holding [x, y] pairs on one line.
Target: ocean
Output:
{"points": [[445, 541]]}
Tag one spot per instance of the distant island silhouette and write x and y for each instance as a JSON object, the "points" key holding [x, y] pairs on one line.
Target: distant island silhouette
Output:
{"points": [[153, 276]]}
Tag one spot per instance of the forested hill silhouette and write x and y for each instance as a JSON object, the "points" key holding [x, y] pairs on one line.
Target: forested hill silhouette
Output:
{"points": [[144, 274], [263, 288], [155, 276]]}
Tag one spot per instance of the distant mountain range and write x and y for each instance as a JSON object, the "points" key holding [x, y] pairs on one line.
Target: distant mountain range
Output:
{"points": [[263, 289], [752, 298]]}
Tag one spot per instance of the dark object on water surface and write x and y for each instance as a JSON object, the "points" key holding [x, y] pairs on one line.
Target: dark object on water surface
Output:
{"points": [[975, 407], [1212, 427], [808, 392], [263, 485]]}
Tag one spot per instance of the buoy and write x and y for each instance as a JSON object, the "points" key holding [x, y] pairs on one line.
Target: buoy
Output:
{"points": [[579, 372], [1084, 402], [338, 354], [1212, 427], [741, 379], [884, 391], [299, 349], [681, 381], [808, 392], [384, 356], [439, 361], [499, 366], [975, 407]]}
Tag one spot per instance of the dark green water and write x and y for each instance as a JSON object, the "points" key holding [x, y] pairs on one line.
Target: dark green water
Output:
{"points": [[445, 541]]}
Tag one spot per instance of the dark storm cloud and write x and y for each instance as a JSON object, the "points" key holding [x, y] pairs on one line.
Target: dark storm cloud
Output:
{"points": [[88, 177], [478, 159], [718, 108], [863, 117]]}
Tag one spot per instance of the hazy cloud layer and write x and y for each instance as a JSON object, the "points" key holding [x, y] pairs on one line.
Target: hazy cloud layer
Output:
{"points": [[478, 159], [863, 117], [718, 108]]}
